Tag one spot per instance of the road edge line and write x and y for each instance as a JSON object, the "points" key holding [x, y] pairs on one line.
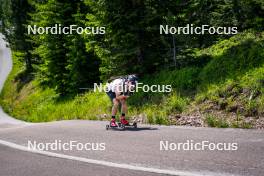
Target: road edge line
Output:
{"points": [[104, 163]]}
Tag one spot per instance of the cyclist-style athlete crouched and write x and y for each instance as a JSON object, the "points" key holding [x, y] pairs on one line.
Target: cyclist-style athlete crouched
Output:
{"points": [[118, 91]]}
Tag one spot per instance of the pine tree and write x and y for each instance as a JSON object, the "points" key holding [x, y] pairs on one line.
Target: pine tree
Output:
{"points": [[64, 62], [83, 65], [132, 43], [14, 19]]}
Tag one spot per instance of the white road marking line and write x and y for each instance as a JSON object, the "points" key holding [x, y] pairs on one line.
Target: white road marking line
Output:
{"points": [[106, 163]]}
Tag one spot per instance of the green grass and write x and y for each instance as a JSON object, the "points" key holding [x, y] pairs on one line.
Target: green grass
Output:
{"points": [[231, 79], [214, 121], [232, 58], [243, 94], [34, 104]]}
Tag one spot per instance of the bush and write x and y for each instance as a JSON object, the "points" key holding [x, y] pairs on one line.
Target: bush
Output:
{"points": [[232, 58], [214, 121], [175, 103]]}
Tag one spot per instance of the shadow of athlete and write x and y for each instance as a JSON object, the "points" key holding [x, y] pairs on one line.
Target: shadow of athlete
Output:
{"points": [[118, 91]]}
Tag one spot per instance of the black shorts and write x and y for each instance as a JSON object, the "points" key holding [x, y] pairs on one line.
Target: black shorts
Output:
{"points": [[111, 95]]}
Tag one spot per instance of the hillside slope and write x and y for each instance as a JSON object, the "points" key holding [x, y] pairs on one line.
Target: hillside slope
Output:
{"points": [[224, 90]]}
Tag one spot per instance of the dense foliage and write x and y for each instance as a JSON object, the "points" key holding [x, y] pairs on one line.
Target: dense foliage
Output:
{"points": [[131, 44], [217, 80]]}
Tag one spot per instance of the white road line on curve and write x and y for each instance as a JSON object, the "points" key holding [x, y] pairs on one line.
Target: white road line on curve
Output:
{"points": [[107, 163]]}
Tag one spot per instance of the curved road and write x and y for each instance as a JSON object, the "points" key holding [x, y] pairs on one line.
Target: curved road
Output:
{"points": [[130, 152], [5, 68]]}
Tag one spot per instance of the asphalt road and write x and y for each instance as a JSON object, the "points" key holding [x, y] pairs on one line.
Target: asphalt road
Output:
{"points": [[15, 162], [130, 152]]}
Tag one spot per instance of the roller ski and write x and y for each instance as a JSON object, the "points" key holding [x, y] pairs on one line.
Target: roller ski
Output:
{"points": [[122, 125]]}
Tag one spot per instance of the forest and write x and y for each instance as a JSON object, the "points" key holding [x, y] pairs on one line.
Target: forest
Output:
{"points": [[217, 79]]}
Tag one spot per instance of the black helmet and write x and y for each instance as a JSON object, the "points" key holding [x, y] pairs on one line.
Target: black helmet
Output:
{"points": [[132, 78]]}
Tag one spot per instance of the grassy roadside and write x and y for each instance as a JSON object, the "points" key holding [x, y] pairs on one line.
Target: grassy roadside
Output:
{"points": [[225, 90], [27, 100]]}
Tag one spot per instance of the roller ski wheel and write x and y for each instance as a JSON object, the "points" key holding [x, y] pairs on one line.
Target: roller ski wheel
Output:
{"points": [[107, 127], [121, 126], [135, 125]]}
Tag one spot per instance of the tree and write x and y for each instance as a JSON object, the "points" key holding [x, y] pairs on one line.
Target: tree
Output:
{"points": [[14, 20], [65, 64], [132, 43]]}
